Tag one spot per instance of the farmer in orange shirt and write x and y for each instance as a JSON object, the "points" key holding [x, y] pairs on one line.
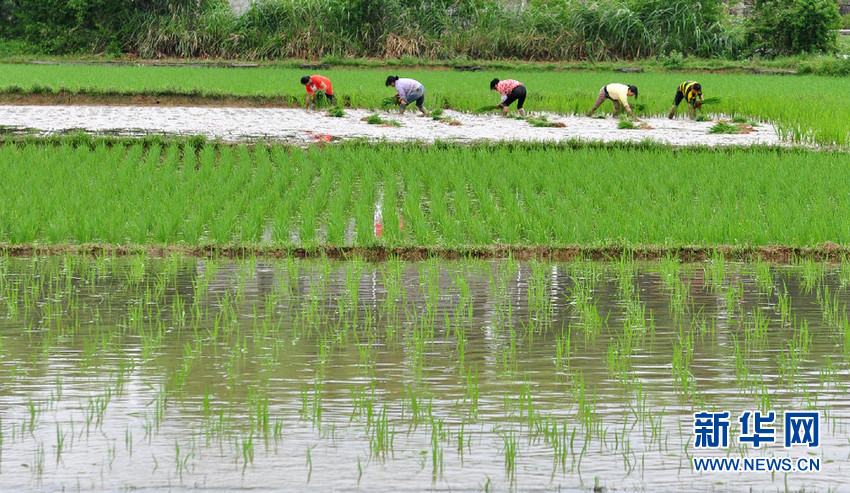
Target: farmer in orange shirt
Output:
{"points": [[315, 83]]}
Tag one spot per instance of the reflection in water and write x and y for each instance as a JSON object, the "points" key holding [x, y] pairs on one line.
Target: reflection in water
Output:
{"points": [[187, 373]]}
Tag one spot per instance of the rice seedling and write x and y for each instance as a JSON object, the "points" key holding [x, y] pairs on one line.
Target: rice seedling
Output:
{"points": [[543, 121], [724, 128], [626, 125], [375, 119]]}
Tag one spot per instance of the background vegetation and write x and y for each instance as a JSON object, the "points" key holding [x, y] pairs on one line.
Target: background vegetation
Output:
{"points": [[442, 29]]}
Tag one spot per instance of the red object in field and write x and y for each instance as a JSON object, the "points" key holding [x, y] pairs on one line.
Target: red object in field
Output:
{"points": [[400, 222], [379, 229], [325, 137]]}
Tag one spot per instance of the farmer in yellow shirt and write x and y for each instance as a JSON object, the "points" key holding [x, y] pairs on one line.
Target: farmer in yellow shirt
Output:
{"points": [[691, 92], [617, 93]]}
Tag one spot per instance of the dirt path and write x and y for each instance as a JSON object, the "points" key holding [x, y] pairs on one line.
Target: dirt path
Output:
{"points": [[300, 126]]}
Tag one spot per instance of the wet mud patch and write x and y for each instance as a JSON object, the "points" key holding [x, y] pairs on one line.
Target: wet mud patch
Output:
{"points": [[299, 126]]}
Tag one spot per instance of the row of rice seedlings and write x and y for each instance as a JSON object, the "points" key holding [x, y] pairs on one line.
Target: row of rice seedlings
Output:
{"points": [[169, 193]]}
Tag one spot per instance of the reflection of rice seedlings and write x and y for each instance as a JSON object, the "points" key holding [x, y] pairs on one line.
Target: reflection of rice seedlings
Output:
{"points": [[763, 277], [635, 320], [471, 393], [586, 406], [733, 295], [619, 359], [683, 353], [831, 312], [539, 293], [563, 346], [509, 439], [437, 433], [585, 306], [381, 437], [844, 328], [762, 392], [419, 406], [755, 329], [626, 277], [680, 297], [716, 274], [811, 273], [831, 374], [429, 285], [844, 273], [784, 302], [790, 359], [742, 373]]}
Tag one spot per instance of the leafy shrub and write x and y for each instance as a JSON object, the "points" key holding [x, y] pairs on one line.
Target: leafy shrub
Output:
{"points": [[780, 27], [826, 65]]}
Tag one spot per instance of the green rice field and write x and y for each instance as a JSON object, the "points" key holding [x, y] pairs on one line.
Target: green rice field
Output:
{"points": [[805, 108], [179, 374], [194, 193], [183, 314]]}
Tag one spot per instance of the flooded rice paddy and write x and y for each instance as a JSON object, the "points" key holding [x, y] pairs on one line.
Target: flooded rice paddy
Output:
{"points": [[307, 127], [184, 373]]}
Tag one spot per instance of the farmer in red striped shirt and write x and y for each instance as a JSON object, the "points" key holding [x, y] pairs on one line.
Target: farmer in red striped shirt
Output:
{"points": [[511, 90]]}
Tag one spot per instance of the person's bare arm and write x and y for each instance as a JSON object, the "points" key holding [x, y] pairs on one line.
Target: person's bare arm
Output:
{"points": [[629, 111]]}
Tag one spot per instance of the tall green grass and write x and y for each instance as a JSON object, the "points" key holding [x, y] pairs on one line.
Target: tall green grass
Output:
{"points": [[445, 29], [450, 196]]}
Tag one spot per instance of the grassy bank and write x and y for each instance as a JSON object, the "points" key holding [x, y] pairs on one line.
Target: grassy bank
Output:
{"points": [[445, 196], [788, 101]]}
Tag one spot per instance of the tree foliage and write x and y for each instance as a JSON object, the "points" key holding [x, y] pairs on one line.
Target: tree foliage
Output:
{"points": [[780, 27]]}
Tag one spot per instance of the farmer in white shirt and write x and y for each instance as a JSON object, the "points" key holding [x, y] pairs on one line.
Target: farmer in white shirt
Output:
{"points": [[408, 90]]}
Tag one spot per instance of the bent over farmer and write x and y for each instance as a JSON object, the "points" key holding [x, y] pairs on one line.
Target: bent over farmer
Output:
{"points": [[408, 91], [511, 90], [315, 83], [618, 94], [691, 92]]}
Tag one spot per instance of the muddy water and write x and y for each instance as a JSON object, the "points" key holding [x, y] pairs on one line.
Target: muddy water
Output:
{"points": [[305, 127], [185, 374]]}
